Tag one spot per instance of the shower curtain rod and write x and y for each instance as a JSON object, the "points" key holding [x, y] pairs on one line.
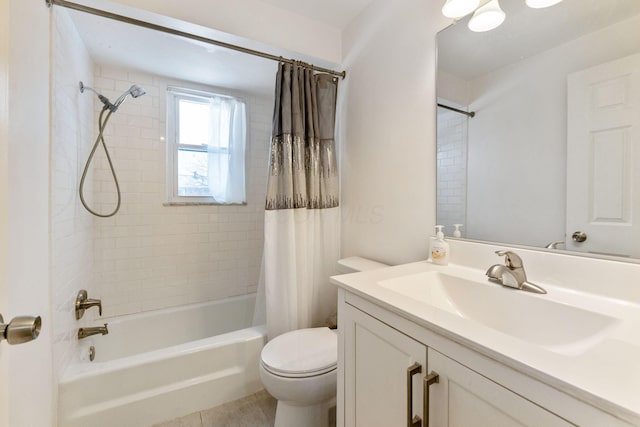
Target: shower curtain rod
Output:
{"points": [[466, 113], [128, 20]]}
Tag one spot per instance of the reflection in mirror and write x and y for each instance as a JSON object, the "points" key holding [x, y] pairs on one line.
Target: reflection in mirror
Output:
{"points": [[549, 157]]}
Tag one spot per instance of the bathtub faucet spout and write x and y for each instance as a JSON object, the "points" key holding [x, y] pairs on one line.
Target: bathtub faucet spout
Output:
{"points": [[87, 332]]}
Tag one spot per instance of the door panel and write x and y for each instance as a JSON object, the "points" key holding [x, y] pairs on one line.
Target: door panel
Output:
{"points": [[603, 158], [463, 397], [376, 372], [26, 370]]}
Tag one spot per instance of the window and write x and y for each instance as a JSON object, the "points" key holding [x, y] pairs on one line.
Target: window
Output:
{"points": [[206, 148]]}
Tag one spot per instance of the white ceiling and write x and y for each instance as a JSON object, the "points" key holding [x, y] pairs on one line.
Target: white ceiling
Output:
{"points": [[335, 13], [525, 32], [128, 46]]}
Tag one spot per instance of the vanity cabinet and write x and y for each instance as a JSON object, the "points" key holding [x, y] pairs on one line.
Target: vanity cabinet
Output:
{"points": [[462, 397], [379, 383], [381, 363]]}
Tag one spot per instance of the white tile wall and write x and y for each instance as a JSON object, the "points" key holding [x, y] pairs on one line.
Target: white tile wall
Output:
{"points": [[71, 229], [150, 255], [452, 170]]}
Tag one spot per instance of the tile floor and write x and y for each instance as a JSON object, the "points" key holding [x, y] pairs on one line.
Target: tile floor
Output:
{"points": [[256, 410]]}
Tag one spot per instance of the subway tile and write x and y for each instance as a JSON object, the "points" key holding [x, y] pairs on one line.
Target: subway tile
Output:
{"points": [[112, 72], [148, 256]]}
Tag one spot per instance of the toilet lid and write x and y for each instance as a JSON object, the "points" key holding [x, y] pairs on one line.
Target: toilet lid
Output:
{"points": [[301, 353]]}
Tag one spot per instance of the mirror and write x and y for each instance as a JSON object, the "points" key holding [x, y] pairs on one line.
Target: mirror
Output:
{"points": [[550, 156]]}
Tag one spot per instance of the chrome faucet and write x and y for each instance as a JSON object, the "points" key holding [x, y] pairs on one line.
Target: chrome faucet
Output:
{"points": [[83, 302], [87, 332], [512, 274]]}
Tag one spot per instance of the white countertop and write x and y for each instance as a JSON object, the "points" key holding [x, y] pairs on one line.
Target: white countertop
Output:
{"points": [[606, 374]]}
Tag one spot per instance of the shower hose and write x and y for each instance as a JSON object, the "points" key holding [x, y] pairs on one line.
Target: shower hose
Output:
{"points": [[100, 140]]}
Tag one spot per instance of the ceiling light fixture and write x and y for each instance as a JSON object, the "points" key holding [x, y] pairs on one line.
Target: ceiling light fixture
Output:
{"points": [[459, 8], [487, 17], [487, 14]]}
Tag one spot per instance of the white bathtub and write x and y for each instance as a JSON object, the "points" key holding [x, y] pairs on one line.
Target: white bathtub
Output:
{"points": [[160, 365]]}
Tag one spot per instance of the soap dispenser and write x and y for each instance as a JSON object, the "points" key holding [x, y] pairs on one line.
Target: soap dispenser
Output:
{"points": [[456, 232], [439, 248]]}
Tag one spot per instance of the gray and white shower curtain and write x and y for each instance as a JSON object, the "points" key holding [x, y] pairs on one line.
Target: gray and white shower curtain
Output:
{"points": [[302, 216]]}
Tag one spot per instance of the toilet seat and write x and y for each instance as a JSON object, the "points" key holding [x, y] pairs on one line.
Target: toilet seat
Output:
{"points": [[301, 353]]}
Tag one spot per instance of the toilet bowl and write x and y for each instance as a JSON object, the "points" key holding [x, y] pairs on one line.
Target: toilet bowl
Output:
{"points": [[299, 368]]}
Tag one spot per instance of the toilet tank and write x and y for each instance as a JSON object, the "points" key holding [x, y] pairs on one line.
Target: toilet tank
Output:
{"points": [[356, 264]]}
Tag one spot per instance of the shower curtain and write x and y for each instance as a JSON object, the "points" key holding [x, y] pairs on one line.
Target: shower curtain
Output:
{"points": [[302, 214]]}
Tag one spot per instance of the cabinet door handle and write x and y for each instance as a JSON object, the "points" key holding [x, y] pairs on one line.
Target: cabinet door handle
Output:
{"points": [[412, 421], [432, 378]]}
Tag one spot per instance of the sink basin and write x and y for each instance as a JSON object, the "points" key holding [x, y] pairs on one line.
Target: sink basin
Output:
{"points": [[538, 320]]}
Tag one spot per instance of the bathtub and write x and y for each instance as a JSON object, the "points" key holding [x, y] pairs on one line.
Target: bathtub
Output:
{"points": [[159, 365]]}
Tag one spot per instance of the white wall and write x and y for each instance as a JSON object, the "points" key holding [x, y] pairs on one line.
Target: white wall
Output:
{"points": [[517, 146], [150, 255], [387, 130], [453, 89], [71, 230]]}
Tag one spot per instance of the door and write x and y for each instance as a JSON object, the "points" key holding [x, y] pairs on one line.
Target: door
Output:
{"points": [[381, 366], [26, 370], [603, 158], [463, 397]]}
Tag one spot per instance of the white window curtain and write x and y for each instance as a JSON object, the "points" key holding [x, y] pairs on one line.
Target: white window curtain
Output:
{"points": [[226, 149]]}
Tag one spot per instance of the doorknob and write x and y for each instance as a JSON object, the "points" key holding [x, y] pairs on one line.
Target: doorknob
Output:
{"points": [[579, 237], [21, 329]]}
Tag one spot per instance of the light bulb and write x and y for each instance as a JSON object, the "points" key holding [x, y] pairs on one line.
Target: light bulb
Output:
{"points": [[539, 4], [487, 17], [459, 8]]}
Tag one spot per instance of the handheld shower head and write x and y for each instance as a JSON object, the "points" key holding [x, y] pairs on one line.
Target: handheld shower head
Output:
{"points": [[135, 91]]}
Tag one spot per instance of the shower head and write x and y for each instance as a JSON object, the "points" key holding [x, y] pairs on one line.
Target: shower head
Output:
{"points": [[135, 91]]}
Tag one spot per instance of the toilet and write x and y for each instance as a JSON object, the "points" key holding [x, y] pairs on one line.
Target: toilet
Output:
{"points": [[299, 368]]}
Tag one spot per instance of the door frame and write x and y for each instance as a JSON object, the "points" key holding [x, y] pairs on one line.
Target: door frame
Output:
{"points": [[4, 186]]}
